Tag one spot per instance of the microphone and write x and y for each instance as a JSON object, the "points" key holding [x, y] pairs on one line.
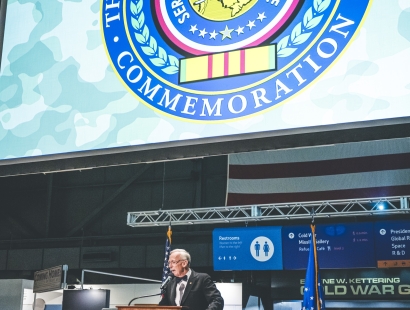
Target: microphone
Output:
{"points": [[165, 283]]}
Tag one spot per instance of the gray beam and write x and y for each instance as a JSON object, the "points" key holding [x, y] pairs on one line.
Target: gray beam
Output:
{"points": [[92, 216], [195, 148], [48, 203]]}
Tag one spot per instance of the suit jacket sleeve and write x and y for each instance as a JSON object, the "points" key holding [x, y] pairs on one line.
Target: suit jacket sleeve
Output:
{"points": [[163, 301], [212, 295], [166, 299]]}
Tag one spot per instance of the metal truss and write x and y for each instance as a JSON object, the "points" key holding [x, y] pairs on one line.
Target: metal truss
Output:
{"points": [[268, 212]]}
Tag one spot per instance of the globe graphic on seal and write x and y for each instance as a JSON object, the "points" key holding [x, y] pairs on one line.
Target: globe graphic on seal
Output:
{"points": [[221, 10]]}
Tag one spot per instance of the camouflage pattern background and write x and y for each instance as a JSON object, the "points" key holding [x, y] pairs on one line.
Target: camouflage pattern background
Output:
{"points": [[59, 94]]}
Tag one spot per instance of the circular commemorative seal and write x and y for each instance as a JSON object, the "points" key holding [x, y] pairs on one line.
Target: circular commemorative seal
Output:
{"points": [[218, 60]]}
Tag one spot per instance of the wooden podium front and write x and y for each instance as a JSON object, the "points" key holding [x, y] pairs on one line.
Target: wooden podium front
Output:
{"points": [[150, 307]]}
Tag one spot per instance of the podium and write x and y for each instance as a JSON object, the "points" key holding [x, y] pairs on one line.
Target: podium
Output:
{"points": [[150, 307]]}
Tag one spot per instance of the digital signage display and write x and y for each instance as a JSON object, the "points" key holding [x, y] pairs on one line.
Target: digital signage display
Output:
{"points": [[383, 244], [338, 246], [253, 248], [92, 75], [393, 244]]}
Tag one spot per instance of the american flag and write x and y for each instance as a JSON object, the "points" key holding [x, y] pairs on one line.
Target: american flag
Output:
{"points": [[313, 291], [165, 270], [343, 171]]}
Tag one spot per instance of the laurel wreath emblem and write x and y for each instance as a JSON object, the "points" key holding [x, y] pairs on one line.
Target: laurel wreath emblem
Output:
{"points": [[169, 64], [299, 33]]}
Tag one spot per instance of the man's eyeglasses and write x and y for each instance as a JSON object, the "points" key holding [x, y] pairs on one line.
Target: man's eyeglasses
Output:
{"points": [[173, 262]]}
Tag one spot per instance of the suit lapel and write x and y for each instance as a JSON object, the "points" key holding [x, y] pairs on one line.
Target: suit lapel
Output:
{"points": [[173, 292], [191, 281]]}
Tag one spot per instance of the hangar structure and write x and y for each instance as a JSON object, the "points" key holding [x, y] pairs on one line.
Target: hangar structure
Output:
{"points": [[93, 170]]}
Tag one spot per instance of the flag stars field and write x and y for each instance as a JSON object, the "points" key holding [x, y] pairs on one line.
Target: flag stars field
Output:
{"points": [[213, 34], [239, 30], [202, 33], [193, 29], [251, 24], [261, 16], [226, 33]]}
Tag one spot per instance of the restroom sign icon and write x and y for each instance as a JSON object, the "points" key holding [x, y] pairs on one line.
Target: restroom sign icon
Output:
{"points": [[262, 248]]}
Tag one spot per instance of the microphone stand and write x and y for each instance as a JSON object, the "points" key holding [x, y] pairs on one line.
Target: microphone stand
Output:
{"points": [[129, 304], [162, 289]]}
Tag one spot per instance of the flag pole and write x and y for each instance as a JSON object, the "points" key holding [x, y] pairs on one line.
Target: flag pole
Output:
{"points": [[313, 294], [169, 232], [312, 226]]}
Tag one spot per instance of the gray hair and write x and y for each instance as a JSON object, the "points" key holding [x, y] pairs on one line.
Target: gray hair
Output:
{"points": [[183, 253]]}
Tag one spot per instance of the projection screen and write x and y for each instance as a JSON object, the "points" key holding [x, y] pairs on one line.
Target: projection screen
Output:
{"points": [[112, 77]]}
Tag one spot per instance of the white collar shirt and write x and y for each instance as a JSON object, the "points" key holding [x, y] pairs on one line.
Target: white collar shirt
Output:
{"points": [[180, 293]]}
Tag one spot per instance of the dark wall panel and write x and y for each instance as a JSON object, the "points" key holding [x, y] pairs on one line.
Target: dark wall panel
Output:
{"points": [[29, 259], [199, 254], [155, 256], [61, 256], [3, 259], [132, 257], [113, 219], [26, 210], [73, 205], [98, 253]]}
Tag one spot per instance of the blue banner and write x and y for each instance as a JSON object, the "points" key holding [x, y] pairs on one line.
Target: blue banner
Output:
{"points": [[339, 246], [393, 244], [256, 248]]}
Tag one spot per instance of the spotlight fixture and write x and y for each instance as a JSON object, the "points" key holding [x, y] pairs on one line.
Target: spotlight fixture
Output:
{"points": [[380, 206]]}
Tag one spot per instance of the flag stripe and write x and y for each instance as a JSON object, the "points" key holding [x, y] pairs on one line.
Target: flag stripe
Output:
{"points": [[249, 199], [272, 57], [344, 171], [322, 183], [242, 61], [218, 65], [210, 66], [182, 71], [226, 64], [317, 168], [320, 153], [234, 62]]}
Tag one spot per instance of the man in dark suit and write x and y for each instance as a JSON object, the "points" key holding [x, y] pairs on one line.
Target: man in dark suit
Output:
{"points": [[189, 288]]}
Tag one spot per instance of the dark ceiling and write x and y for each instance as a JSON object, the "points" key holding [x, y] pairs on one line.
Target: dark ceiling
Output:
{"points": [[95, 202]]}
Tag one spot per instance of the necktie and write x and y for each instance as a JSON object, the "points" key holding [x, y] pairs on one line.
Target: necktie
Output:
{"points": [[184, 278], [181, 292]]}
